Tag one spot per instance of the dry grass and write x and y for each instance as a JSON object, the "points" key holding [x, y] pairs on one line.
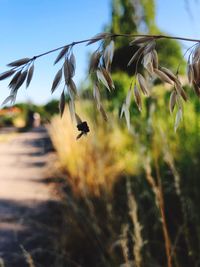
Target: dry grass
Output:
{"points": [[94, 162], [137, 216], [137, 234], [27, 257]]}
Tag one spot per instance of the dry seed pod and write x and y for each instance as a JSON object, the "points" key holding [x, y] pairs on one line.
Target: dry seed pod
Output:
{"points": [[72, 64], [94, 61], [150, 69], [14, 80], [196, 53], [72, 86], [127, 117], [66, 71], [101, 78], [142, 84], [154, 59], [163, 76], [147, 59], [125, 111], [108, 78], [96, 95], [149, 47], [99, 37], [141, 40], [20, 81], [148, 63], [180, 91], [172, 101], [70, 92], [30, 75], [179, 102], [137, 98], [196, 71], [128, 97], [62, 103], [178, 119], [190, 73], [6, 74], [19, 62], [56, 80], [69, 68], [61, 54], [112, 50], [10, 98], [169, 73], [105, 78], [126, 106], [122, 110], [136, 56], [108, 54], [196, 88], [72, 109]]}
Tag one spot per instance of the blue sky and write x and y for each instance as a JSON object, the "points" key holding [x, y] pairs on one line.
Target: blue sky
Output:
{"points": [[34, 26]]}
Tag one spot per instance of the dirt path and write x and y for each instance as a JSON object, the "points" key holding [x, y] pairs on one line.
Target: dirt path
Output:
{"points": [[26, 204]]}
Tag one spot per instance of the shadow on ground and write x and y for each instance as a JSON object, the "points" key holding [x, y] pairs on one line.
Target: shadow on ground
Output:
{"points": [[25, 222], [33, 226]]}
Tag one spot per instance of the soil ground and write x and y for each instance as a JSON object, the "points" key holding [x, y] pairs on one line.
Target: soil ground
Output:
{"points": [[29, 211]]}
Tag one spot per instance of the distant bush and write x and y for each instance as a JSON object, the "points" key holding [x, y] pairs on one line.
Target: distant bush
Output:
{"points": [[6, 121]]}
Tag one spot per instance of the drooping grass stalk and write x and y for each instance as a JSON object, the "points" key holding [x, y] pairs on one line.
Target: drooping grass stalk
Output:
{"points": [[162, 211], [170, 162], [124, 245], [27, 257], [159, 198], [177, 183], [137, 235], [115, 35]]}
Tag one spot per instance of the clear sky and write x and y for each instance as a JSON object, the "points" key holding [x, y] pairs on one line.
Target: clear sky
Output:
{"points": [[29, 27]]}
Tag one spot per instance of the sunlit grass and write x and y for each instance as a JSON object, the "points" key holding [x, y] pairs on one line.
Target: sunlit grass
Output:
{"points": [[161, 166], [95, 161]]}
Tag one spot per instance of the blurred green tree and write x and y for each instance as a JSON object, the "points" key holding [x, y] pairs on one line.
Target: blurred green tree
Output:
{"points": [[133, 17]]}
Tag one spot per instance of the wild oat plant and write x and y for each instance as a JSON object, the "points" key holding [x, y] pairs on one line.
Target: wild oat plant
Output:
{"points": [[21, 72]]}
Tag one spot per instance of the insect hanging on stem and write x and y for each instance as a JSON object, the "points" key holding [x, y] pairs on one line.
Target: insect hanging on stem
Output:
{"points": [[82, 126]]}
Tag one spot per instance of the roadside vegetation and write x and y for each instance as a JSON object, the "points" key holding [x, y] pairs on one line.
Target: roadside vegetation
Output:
{"points": [[130, 197], [130, 187]]}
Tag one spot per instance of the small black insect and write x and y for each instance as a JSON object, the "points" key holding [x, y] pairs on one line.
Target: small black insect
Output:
{"points": [[82, 127]]}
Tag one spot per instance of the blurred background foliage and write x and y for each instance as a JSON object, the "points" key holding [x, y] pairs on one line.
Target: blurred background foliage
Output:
{"points": [[133, 17], [18, 115]]}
